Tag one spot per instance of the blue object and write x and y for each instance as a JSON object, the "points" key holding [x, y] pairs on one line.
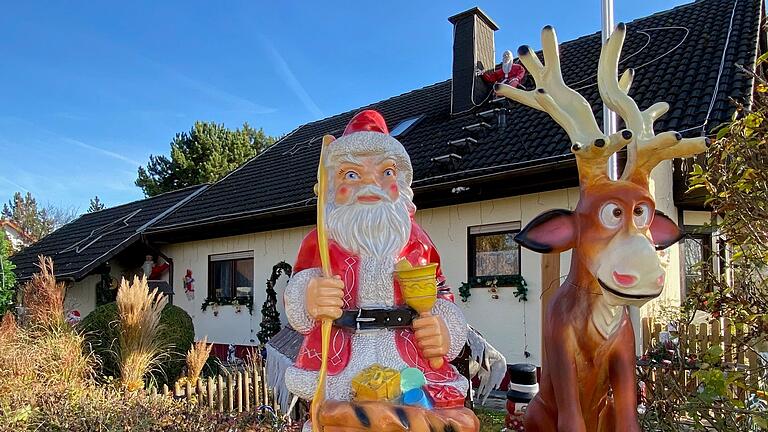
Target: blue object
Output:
{"points": [[417, 397], [411, 378]]}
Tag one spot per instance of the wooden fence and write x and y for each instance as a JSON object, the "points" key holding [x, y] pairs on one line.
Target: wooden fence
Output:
{"points": [[239, 391], [696, 340]]}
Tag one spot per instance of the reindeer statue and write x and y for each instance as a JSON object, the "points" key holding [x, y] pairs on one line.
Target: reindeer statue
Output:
{"points": [[588, 372]]}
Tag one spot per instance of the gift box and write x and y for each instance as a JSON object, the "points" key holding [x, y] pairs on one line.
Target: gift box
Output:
{"points": [[376, 383], [444, 396]]}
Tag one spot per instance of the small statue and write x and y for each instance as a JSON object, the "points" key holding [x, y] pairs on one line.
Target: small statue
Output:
{"points": [[146, 268], [374, 333], [510, 73], [189, 285]]}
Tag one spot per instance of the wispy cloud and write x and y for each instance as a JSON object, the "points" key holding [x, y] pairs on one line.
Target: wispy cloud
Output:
{"points": [[13, 183], [105, 152], [238, 103], [285, 72]]}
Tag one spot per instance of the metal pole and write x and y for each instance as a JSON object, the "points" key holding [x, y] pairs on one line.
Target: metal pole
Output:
{"points": [[609, 117]]}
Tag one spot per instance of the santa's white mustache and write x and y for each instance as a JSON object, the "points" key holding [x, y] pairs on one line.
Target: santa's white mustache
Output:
{"points": [[371, 190]]}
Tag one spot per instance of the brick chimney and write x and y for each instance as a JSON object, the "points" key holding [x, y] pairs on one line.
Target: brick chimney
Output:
{"points": [[473, 50]]}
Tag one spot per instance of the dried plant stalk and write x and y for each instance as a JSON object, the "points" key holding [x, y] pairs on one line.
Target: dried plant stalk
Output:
{"points": [[139, 313], [196, 358], [43, 298]]}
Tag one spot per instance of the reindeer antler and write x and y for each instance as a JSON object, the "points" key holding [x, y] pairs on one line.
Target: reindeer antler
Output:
{"points": [[568, 108], [647, 149]]}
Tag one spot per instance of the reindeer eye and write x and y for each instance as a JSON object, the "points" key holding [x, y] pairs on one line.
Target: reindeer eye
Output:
{"points": [[611, 215], [642, 215]]}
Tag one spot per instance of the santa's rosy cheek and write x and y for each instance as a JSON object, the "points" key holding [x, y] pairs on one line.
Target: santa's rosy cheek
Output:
{"points": [[393, 190], [342, 194]]}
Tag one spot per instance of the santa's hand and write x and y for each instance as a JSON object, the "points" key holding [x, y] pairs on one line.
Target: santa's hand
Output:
{"points": [[325, 297], [431, 336]]}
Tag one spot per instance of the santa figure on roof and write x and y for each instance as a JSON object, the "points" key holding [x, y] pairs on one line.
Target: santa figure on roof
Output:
{"points": [[369, 221], [510, 73]]}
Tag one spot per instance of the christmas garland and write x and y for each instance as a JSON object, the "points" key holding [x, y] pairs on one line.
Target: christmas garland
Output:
{"points": [[492, 283], [270, 317], [228, 301]]}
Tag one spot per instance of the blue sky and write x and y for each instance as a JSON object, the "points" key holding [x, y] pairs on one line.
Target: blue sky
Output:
{"points": [[90, 89]]}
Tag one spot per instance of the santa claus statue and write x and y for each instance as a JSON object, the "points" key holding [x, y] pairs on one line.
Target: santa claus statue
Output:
{"points": [[511, 74], [369, 221]]}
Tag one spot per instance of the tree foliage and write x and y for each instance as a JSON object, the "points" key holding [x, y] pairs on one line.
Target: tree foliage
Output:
{"points": [[205, 154], [735, 183], [96, 205], [35, 220], [7, 277]]}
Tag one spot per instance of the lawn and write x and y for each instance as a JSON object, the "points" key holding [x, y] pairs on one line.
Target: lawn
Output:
{"points": [[490, 420]]}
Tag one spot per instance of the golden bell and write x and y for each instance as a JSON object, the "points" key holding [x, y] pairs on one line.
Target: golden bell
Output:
{"points": [[418, 284]]}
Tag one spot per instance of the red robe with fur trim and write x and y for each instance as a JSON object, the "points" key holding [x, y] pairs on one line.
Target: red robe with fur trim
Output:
{"points": [[418, 251]]}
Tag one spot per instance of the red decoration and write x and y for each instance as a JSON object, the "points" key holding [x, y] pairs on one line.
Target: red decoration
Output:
{"points": [[158, 270], [444, 396], [511, 78]]}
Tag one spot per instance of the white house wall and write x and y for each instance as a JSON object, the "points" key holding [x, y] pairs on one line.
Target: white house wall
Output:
{"points": [[506, 322], [81, 296], [229, 326]]}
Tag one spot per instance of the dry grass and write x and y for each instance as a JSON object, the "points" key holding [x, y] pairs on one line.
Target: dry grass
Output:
{"points": [[48, 384], [43, 298], [138, 348], [196, 358], [7, 327]]}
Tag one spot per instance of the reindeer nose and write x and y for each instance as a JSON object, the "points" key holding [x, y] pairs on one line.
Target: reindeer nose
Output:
{"points": [[625, 280]]}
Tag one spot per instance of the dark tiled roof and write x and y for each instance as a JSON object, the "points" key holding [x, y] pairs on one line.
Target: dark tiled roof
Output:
{"points": [[677, 56], [93, 238]]}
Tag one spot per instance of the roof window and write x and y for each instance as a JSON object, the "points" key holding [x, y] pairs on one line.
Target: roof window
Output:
{"points": [[405, 125]]}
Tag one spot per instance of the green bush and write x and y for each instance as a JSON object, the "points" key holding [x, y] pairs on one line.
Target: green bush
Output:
{"points": [[177, 334]]}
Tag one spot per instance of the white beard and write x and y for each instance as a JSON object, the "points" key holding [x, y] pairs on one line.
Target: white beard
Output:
{"points": [[380, 230], [507, 66]]}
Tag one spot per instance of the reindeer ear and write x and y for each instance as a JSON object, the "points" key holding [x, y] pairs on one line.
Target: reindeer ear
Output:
{"points": [[551, 231], [664, 231]]}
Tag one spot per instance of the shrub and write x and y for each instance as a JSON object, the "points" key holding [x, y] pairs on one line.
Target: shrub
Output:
{"points": [[175, 336]]}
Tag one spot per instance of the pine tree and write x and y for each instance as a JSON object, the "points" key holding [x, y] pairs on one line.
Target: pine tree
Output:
{"points": [[270, 317], [205, 154], [25, 212], [7, 278], [96, 205]]}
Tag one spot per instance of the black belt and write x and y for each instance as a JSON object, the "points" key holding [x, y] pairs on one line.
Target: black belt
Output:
{"points": [[368, 319]]}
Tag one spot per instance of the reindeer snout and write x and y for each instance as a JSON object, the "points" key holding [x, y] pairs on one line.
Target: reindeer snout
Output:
{"points": [[624, 279]]}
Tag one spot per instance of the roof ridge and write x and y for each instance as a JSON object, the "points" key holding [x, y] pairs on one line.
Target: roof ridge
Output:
{"points": [[200, 185]]}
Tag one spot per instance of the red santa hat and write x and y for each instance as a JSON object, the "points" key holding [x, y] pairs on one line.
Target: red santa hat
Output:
{"points": [[367, 134]]}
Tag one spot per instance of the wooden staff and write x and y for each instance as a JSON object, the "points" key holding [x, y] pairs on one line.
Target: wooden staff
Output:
{"points": [[322, 244]]}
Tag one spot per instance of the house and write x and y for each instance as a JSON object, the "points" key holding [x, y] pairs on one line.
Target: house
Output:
{"points": [[93, 252], [483, 168], [16, 235]]}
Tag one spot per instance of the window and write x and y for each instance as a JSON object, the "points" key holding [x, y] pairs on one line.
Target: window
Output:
{"points": [[698, 255], [405, 125], [494, 254], [230, 276]]}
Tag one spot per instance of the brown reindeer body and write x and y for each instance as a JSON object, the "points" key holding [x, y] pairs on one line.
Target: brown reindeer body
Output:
{"points": [[594, 361], [588, 369]]}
